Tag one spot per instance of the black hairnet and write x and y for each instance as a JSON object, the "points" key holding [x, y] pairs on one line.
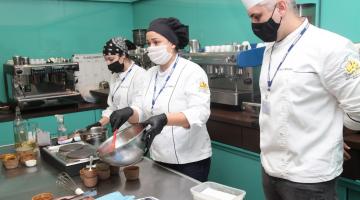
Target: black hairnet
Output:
{"points": [[172, 29], [118, 45]]}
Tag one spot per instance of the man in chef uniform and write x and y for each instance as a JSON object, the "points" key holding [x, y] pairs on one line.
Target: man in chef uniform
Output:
{"points": [[310, 88], [175, 103]]}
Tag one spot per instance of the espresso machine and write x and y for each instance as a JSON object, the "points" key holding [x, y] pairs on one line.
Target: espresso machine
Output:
{"points": [[40, 85], [229, 83], [139, 55]]}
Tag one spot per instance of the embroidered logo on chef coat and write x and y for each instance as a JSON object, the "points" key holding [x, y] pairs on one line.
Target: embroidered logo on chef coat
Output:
{"points": [[352, 68], [203, 86]]}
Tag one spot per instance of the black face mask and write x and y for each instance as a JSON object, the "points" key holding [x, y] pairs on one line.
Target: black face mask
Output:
{"points": [[266, 31], [116, 67]]}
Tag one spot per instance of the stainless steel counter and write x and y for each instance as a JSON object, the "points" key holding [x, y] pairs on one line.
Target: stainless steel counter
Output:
{"points": [[154, 180]]}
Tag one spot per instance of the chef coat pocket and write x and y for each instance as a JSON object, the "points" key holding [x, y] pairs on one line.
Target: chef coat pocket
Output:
{"points": [[302, 81]]}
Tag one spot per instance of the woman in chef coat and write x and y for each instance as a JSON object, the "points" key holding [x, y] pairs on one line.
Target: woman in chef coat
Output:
{"points": [[127, 78], [176, 103]]}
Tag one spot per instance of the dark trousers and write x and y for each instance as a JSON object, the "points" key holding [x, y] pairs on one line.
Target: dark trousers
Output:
{"points": [[281, 189], [197, 170]]}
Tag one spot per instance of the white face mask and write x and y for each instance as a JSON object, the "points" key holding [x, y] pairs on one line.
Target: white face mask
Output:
{"points": [[159, 54]]}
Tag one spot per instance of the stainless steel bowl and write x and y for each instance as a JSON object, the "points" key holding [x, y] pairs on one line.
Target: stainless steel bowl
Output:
{"points": [[128, 149], [95, 136]]}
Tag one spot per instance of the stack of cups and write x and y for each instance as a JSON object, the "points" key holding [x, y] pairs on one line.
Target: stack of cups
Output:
{"points": [[89, 177]]}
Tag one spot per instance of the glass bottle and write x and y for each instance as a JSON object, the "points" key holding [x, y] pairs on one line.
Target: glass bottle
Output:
{"points": [[61, 129], [20, 130]]}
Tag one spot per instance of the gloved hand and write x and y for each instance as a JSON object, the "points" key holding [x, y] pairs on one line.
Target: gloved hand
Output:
{"points": [[93, 125], [119, 117], [157, 124]]}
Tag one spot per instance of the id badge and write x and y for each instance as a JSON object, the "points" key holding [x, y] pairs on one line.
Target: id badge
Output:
{"points": [[265, 104], [265, 107]]}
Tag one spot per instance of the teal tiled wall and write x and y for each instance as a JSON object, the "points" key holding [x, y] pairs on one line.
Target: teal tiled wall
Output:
{"points": [[51, 28], [225, 21], [341, 17], [47, 28], [210, 21]]}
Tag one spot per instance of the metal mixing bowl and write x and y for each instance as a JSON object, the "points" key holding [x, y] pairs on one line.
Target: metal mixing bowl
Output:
{"points": [[129, 147]]}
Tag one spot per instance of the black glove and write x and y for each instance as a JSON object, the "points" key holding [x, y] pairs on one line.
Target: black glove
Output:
{"points": [[119, 117], [93, 125], [157, 124]]}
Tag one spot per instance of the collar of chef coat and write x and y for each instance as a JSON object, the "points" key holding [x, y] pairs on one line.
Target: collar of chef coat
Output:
{"points": [[289, 39], [123, 74], [168, 70]]}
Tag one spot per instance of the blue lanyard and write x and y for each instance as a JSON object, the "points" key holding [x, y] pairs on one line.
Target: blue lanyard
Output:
{"points": [[270, 81], [154, 98], [122, 80]]}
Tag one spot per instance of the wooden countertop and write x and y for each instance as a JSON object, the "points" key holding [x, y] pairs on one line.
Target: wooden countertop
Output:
{"points": [[101, 94], [247, 118]]}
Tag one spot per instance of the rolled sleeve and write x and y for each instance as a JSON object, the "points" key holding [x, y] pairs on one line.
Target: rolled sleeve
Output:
{"points": [[342, 79], [198, 99]]}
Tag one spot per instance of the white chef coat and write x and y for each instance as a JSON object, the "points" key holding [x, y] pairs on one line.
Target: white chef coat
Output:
{"points": [[186, 91], [301, 137], [123, 94]]}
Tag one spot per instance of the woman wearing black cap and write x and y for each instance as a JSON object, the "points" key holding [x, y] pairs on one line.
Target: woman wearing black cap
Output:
{"points": [[126, 82], [176, 103]]}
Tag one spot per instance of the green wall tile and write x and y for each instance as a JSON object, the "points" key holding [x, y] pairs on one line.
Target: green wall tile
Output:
{"points": [[226, 21], [6, 133], [212, 22], [341, 17], [53, 28]]}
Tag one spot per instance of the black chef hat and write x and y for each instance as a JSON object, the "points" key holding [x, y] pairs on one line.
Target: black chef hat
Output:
{"points": [[118, 45], [172, 29]]}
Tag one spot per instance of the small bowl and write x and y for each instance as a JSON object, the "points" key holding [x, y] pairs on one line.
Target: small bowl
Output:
{"points": [[90, 182], [87, 173], [30, 163], [10, 161], [7, 156], [131, 172], [43, 196]]}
